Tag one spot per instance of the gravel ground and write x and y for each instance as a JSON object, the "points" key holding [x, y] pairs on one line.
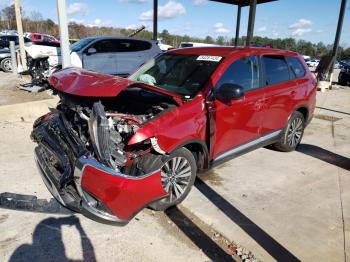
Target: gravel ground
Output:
{"points": [[10, 94]]}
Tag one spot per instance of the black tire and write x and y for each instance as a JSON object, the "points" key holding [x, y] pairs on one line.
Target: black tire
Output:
{"points": [[292, 134], [178, 187], [6, 64]]}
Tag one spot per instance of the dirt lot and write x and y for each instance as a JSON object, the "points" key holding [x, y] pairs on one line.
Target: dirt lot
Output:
{"points": [[10, 94], [277, 206]]}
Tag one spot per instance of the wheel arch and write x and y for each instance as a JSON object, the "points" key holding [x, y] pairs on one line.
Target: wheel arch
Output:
{"points": [[304, 110], [199, 150]]}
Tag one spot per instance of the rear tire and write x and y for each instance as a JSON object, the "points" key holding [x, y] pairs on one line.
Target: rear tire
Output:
{"points": [[178, 175], [6, 64], [292, 134]]}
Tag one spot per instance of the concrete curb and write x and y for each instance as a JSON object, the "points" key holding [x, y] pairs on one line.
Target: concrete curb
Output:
{"points": [[28, 111]]}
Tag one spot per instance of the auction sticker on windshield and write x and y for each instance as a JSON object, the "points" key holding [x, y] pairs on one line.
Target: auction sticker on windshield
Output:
{"points": [[209, 58]]}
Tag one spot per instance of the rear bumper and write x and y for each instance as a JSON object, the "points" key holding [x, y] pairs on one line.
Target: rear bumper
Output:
{"points": [[103, 194]]}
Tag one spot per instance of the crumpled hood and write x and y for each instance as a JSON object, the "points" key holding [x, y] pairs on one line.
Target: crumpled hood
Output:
{"points": [[76, 81], [80, 82]]}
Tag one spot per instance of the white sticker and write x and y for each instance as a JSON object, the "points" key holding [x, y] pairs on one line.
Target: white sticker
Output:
{"points": [[209, 58]]}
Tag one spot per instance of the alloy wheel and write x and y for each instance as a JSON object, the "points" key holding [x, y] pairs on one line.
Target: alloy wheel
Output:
{"points": [[295, 132], [7, 65], [176, 176]]}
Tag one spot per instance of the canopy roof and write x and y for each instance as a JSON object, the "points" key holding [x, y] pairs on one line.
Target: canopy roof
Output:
{"points": [[241, 2]]}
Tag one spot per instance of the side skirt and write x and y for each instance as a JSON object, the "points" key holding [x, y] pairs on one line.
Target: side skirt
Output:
{"points": [[247, 147]]}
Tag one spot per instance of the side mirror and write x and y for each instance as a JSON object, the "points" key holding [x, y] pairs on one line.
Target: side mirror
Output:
{"points": [[91, 51], [228, 92]]}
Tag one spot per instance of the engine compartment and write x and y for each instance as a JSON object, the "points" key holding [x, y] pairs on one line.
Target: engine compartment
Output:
{"points": [[106, 124]]}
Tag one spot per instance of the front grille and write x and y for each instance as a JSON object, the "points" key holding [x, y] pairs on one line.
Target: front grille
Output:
{"points": [[58, 149]]}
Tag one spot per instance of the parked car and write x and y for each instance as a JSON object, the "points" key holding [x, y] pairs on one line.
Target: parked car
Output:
{"points": [[5, 40], [114, 145], [313, 62], [193, 44], [112, 55], [163, 46], [337, 65], [344, 75], [5, 60], [43, 38]]}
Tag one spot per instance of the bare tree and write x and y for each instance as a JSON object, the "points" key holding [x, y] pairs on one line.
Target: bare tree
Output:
{"points": [[37, 18]]}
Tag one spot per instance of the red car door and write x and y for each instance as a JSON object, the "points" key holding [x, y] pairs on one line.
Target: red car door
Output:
{"points": [[236, 124], [280, 91]]}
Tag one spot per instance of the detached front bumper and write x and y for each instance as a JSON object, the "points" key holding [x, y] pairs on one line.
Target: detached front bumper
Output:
{"points": [[103, 194], [81, 183]]}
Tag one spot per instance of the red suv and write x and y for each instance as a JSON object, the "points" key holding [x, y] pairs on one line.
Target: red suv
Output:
{"points": [[113, 145]]}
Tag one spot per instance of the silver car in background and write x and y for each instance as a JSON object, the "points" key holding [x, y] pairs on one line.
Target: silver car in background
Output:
{"points": [[112, 55]]}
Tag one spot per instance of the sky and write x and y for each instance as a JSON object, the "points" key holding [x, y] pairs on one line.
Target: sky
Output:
{"points": [[311, 20]]}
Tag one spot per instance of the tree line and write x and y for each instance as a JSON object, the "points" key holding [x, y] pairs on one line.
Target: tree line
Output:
{"points": [[34, 22]]}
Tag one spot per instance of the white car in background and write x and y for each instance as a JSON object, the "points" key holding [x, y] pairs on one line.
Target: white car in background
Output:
{"points": [[194, 44], [163, 46], [313, 62]]}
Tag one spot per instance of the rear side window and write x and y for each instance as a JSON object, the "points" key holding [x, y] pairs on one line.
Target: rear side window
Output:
{"points": [[133, 45], [276, 69], [243, 72], [296, 66], [105, 46]]}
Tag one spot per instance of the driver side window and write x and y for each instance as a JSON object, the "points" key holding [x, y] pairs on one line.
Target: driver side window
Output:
{"points": [[243, 72]]}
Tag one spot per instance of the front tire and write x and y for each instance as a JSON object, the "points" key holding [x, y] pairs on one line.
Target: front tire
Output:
{"points": [[178, 173], [6, 65], [292, 134]]}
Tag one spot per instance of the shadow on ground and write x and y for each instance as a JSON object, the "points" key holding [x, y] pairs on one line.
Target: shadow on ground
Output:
{"points": [[275, 249], [48, 245], [325, 155], [197, 236]]}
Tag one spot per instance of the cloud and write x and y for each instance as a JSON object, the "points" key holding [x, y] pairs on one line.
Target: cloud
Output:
{"points": [[132, 27], [77, 21], [261, 29], [301, 31], [4, 2], [99, 22], [134, 1], [301, 27], [300, 23], [170, 10], [78, 8], [200, 2], [220, 29]]}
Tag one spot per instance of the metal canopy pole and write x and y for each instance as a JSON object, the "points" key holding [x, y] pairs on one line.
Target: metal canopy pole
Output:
{"points": [[338, 34], [251, 21], [64, 38], [155, 19], [238, 24], [20, 34]]}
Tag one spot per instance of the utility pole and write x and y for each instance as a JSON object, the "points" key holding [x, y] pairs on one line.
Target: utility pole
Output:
{"points": [[155, 19], [337, 36], [251, 22], [20, 34], [64, 38]]}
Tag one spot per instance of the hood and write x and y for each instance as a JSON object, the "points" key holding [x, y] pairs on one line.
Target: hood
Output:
{"points": [[80, 82]]}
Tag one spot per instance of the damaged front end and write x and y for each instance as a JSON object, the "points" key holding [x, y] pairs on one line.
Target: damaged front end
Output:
{"points": [[85, 160]]}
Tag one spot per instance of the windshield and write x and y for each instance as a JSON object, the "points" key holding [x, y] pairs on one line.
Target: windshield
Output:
{"points": [[179, 73], [77, 46]]}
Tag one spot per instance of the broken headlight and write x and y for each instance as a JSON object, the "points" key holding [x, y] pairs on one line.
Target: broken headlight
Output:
{"points": [[105, 140]]}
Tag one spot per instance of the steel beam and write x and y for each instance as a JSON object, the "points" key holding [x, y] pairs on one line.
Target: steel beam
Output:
{"points": [[155, 19], [238, 24], [251, 21], [20, 34], [64, 38], [338, 34]]}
